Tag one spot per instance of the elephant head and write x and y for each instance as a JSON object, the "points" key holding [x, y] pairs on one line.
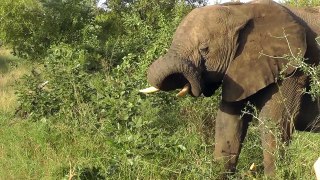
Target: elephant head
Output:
{"points": [[239, 46]]}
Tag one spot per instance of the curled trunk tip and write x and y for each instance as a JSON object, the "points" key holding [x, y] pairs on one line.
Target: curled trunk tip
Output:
{"points": [[171, 72]]}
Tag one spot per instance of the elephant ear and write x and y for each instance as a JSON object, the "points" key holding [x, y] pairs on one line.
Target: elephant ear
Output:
{"points": [[263, 42]]}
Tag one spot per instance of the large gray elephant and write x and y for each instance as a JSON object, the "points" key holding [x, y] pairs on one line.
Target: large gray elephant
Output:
{"points": [[244, 49]]}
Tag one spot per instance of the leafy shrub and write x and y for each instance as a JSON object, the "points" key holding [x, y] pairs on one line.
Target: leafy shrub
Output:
{"points": [[31, 27], [302, 3], [92, 95], [20, 20]]}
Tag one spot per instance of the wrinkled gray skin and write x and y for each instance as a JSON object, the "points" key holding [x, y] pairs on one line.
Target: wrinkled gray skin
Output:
{"points": [[239, 47]]}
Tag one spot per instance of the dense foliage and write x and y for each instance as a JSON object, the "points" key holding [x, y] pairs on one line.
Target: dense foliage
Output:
{"points": [[300, 3], [91, 63]]}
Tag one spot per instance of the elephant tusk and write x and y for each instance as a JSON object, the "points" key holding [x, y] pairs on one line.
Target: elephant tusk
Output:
{"points": [[184, 91], [316, 167], [149, 90], [253, 167]]}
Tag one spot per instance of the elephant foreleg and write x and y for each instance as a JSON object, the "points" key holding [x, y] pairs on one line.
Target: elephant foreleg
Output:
{"points": [[230, 131], [276, 128]]}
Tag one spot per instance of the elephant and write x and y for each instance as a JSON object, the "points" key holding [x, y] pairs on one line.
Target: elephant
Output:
{"points": [[250, 51]]}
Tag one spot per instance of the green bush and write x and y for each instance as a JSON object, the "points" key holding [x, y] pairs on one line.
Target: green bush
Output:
{"points": [[30, 27], [301, 3], [92, 95]]}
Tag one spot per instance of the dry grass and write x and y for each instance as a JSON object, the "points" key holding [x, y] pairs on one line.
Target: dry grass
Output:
{"points": [[8, 78]]}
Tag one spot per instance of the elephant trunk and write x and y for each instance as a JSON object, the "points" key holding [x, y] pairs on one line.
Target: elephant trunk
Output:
{"points": [[171, 72]]}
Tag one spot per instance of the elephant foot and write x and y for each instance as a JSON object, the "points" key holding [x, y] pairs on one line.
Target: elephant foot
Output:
{"points": [[227, 169]]}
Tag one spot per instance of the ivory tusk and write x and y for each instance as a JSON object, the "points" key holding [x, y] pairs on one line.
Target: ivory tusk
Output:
{"points": [[149, 90], [316, 167], [253, 167], [184, 91]]}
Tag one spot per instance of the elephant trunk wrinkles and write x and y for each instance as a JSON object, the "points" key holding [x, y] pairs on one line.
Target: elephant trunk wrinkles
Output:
{"points": [[170, 72]]}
